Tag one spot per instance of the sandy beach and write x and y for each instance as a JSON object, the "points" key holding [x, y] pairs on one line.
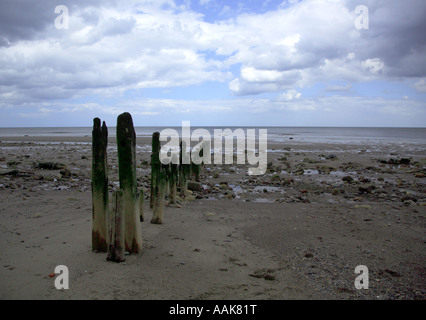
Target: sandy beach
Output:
{"points": [[296, 232]]}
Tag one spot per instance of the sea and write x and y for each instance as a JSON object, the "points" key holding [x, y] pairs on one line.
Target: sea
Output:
{"points": [[338, 135]]}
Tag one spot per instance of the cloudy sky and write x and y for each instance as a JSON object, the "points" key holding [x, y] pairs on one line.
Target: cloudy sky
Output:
{"points": [[213, 62]]}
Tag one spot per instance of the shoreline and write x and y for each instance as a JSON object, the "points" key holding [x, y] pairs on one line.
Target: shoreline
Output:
{"points": [[297, 232]]}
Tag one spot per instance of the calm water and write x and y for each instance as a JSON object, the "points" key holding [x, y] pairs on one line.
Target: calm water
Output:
{"points": [[294, 134]]}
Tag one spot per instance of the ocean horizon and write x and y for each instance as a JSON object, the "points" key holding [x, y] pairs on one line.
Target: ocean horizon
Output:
{"points": [[275, 134]]}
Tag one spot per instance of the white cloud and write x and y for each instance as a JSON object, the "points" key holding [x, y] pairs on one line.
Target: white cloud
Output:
{"points": [[116, 51], [111, 49], [290, 95], [373, 65], [234, 85], [331, 111], [254, 75], [420, 85], [144, 45]]}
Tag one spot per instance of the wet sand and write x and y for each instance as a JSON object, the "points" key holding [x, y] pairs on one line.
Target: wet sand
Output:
{"points": [[297, 232]]}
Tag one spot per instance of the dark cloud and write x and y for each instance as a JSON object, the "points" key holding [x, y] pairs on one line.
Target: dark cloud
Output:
{"points": [[23, 19], [27, 19], [396, 35]]}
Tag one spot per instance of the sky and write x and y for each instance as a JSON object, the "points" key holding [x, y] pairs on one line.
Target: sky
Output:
{"points": [[359, 63]]}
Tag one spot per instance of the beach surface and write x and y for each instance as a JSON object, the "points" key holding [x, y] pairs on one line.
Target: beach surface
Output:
{"points": [[296, 232]]}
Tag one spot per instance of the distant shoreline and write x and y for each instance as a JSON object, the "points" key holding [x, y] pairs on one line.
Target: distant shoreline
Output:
{"points": [[287, 135]]}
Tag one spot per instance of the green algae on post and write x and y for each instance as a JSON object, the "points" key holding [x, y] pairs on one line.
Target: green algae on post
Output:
{"points": [[173, 180], [184, 171], [196, 170], [99, 186], [196, 167], [159, 179], [140, 203], [159, 193], [166, 168], [155, 165], [126, 148]]}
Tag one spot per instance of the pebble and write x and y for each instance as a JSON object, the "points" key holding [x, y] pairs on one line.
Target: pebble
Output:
{"points": [[367, 188], [348, 179], [190, 198], [194, 186]]}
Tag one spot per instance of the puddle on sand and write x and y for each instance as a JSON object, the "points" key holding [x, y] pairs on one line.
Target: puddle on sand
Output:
{"points": [[342, 173], [310, 172], [237, 190], [268, 189]]}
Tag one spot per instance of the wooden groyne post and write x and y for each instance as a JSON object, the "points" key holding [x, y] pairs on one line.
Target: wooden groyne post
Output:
{"points": [[196, 168], [184, 171], [116, 231], [159, 194], [155, 165], [159, 180], [173, 179], [99, 186], [126, 147]]}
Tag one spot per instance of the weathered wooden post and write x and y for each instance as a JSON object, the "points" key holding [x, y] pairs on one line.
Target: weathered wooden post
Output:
{"points": [[166, 168], [126, 147], [196, 168], [173, 179], [184, 171], [159, 193], [116, 229], [99, 186], [155, 165], [159, 180], [140, 204]]}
